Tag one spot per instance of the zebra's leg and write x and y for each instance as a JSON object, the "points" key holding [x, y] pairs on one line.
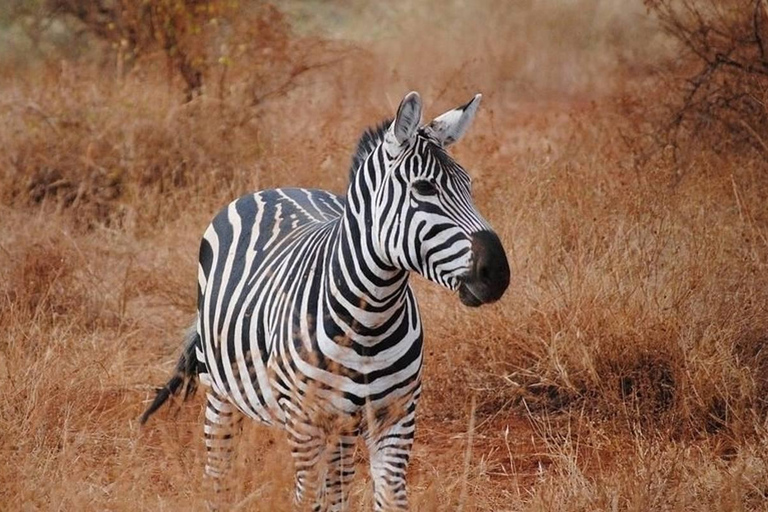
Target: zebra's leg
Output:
{"points": [[340, 471], [389, 440], [307, 443], [222, 425]]}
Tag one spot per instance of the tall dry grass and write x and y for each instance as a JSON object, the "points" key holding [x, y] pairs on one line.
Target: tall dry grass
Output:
{"points": [[625, 369]]}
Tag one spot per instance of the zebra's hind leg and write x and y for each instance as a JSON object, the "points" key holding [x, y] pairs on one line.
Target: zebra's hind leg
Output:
{"points": [[222, 424]]}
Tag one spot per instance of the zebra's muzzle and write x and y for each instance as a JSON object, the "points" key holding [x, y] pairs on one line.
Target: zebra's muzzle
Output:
{"points": [[488, 278]]}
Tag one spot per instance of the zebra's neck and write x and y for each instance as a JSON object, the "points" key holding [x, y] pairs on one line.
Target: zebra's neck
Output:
{"points": [[364, 295]]}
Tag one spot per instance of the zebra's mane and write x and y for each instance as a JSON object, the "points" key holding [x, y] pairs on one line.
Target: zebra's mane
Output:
{"points": [[370, 138]]}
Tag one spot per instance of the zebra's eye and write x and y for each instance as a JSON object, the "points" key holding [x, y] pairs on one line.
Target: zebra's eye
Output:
{"points": [[425, 187]]}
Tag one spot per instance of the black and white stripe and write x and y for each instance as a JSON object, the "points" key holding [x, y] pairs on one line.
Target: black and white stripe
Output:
{"points": [[306, 320]]}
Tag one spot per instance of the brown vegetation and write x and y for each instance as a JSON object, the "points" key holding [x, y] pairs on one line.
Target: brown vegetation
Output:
{"points": [[724, 60], [625, 369]]}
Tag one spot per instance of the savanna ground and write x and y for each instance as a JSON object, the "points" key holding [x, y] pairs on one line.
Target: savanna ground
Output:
{"points": [[626, 368]]}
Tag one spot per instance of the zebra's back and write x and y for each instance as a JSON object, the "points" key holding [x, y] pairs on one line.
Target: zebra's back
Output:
{"points": [[259, 256]]}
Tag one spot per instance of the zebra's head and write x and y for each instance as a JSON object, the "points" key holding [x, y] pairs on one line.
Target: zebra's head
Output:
{"points": [[423, 217]]}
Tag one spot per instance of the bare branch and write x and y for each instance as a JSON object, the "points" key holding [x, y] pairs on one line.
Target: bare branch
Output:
{"points": [[728, 45], [760, 13]]}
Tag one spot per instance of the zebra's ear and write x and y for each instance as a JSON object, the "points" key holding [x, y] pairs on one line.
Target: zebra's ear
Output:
{"points": [[408, 117], [451, 126]]}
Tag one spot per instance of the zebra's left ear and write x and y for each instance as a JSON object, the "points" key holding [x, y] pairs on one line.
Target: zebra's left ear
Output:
{"points": [[451, 126], [408, 117]]}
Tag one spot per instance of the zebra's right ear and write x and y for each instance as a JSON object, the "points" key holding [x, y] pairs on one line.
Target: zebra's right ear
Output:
{"points": [[408, 117], [451, 126]]}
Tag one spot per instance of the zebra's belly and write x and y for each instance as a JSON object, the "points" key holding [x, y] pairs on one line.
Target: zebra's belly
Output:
{"points": [[283, 363], [276, 362]]}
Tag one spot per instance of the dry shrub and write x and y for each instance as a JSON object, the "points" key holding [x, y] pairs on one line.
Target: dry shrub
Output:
{"points": [[126, 152], [722, 76], [108, 171], [44, 283], [127, 32]]}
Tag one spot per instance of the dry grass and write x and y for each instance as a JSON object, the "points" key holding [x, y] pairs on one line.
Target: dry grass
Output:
{"points": [[625, 369]]}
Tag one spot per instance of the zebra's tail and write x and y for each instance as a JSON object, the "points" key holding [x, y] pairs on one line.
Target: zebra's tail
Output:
{"points": [[185, 376]]}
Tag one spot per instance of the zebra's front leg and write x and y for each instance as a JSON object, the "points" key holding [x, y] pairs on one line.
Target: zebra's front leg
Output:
{"points": [[222, 424], [389, 443], [308, 444], [340, 471]]}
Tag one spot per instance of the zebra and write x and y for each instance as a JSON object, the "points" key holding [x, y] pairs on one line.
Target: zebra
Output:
{"points": [[306, 319]]}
